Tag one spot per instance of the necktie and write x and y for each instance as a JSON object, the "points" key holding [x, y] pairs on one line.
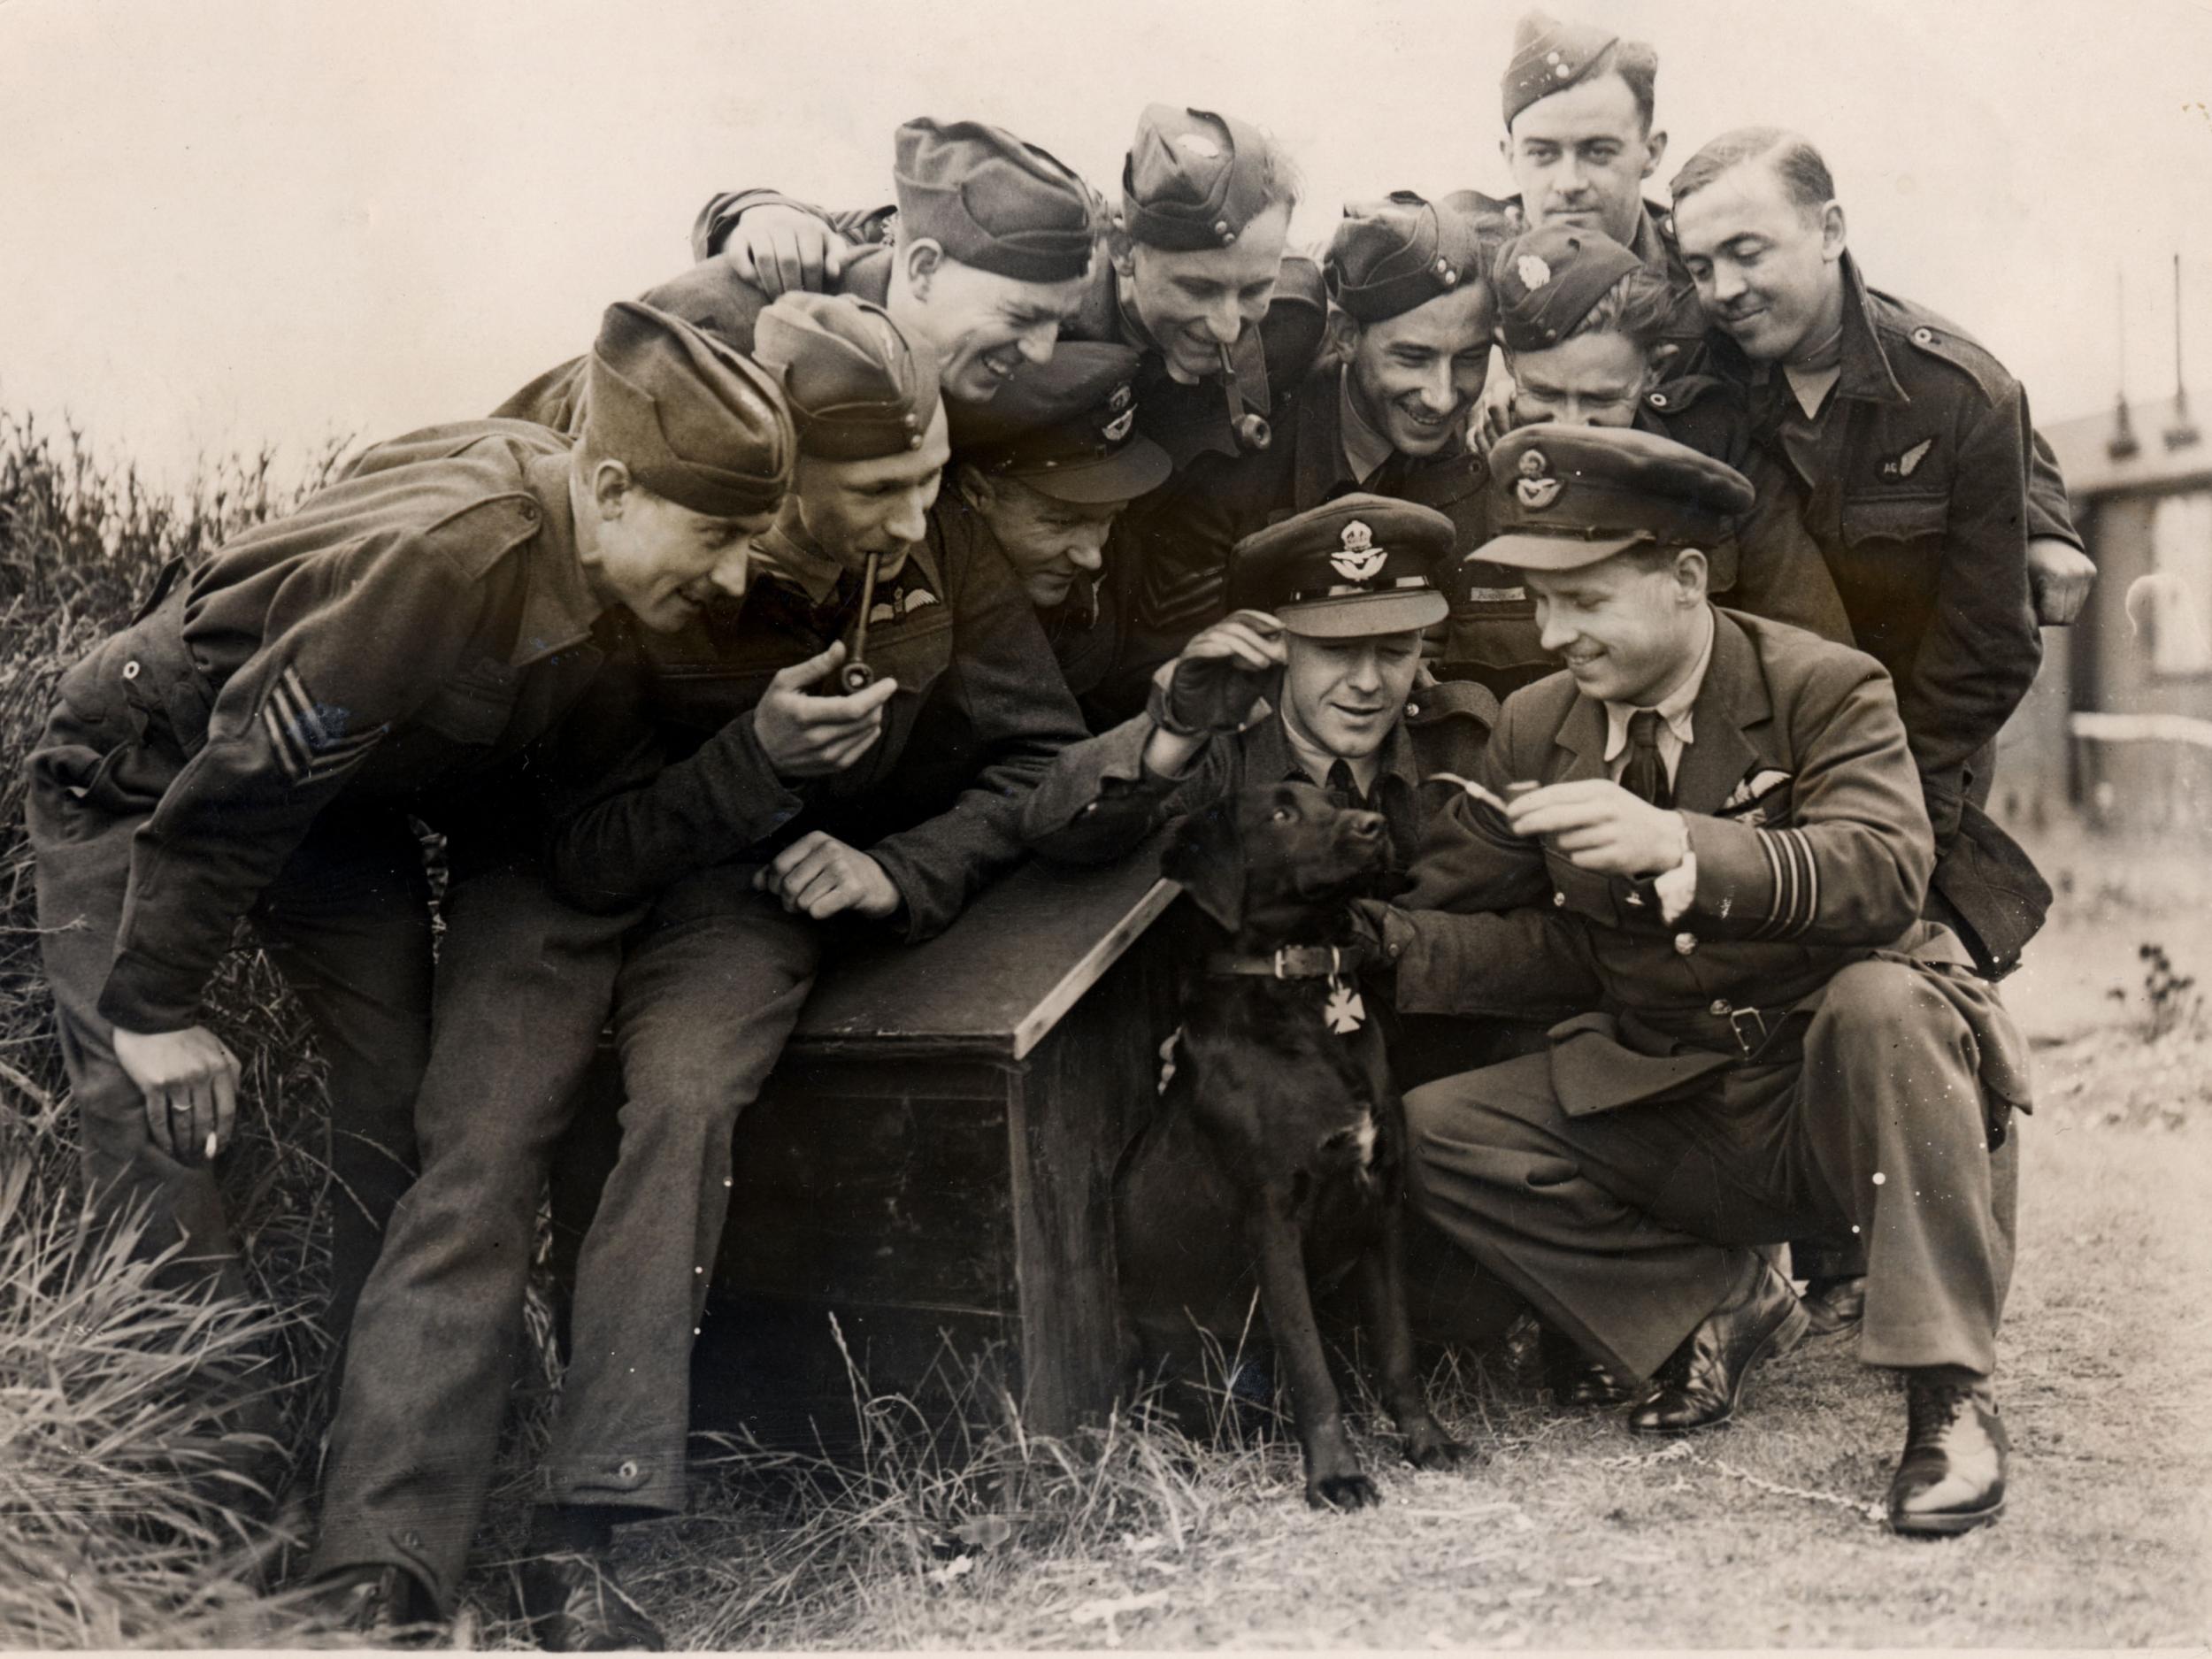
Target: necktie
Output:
{"points": [[1645, 773], [1342, 787]]}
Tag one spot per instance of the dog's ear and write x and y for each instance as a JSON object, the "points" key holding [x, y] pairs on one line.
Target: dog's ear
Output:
{"points": [[1206, 856]]}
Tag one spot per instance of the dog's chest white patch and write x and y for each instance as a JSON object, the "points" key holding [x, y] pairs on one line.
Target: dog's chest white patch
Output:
{"points": [[1364, 1136]]}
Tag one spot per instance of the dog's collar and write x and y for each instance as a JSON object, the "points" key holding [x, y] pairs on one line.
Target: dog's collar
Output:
{"points": [[1291, 961]]}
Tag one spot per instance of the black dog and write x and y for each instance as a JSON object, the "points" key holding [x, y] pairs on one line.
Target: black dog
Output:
{"points": [[1279, 1143]]}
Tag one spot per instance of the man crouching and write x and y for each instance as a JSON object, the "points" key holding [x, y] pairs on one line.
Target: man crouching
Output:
{"points": [[1727, 810]]}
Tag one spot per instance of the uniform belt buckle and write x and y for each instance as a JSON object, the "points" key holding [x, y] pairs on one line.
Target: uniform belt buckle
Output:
{"points": [[1744, 1041]]}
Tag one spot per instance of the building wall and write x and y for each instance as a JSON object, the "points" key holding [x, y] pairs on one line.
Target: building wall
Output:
{"points": [[2149, 783]]}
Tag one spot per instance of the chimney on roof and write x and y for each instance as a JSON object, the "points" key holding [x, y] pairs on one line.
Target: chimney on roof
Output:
{"points": [[2184, 431], [2123, 444]]}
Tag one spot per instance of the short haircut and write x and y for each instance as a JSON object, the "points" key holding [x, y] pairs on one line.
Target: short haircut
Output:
{"points": [[1639, 305], [1637, 63], [1804, 175]]}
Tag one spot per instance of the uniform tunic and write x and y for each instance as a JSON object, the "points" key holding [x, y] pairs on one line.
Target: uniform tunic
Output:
{"points": [[1751, 1063], [253, 743]]}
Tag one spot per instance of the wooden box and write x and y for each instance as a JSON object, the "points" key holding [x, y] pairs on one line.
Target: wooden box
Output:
{"points": [[933, 1161]]}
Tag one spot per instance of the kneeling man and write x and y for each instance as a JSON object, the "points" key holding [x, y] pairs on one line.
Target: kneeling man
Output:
{"points": [[1727, 810]]}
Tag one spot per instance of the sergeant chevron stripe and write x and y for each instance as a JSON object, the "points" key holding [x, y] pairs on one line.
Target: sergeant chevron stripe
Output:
{"points": [[307, 746], [1796, 883]]}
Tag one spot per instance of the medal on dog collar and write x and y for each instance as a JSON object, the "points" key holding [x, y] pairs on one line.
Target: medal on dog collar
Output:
{"points": [[1344, 1011]]}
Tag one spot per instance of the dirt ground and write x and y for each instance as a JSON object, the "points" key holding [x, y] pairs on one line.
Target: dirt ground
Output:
{"points": [[1762, 1533]]}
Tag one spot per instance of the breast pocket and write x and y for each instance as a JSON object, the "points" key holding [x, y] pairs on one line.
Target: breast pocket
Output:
{"points": [[914, 648], [1870, 519], [474, 705]]}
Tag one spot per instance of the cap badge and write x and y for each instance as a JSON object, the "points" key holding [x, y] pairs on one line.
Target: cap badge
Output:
{"points": [[1360, 560], [1536, 489], [1121, 399], [1532, 272], [1199, 145], [1117, 428]]}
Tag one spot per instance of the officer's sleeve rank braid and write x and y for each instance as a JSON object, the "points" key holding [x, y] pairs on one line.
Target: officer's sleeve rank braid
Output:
{"points": [[310, 738], [1796, 877]]}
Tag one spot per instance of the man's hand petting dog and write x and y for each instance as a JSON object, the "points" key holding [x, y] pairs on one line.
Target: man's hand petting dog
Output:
{"points": [[1602, 828]]}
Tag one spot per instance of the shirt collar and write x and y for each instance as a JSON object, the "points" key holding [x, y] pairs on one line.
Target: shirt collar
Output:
{"points": [[558, 606], [809, 569], [1674, 707]]}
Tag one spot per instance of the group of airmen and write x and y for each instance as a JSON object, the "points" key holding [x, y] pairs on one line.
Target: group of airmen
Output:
{"points": [[881, 547]]}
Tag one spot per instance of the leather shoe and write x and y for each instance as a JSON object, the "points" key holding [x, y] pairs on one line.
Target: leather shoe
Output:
{"points": [[1952, 1477], [386, 1607], [1574, 1376], [1702, 1381], [1835, 1305], [575, 1604]]}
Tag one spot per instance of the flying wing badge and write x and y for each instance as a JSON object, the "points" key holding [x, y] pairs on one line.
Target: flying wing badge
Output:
{"points": [[1906, 465]]}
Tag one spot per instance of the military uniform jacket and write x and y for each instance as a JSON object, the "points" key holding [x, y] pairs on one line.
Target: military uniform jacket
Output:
{"points": [[1917, 498], [1812, 845], [1099, 801], [410, 628], [978, 715]]}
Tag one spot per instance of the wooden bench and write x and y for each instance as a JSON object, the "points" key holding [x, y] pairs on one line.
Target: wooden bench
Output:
{"points": [[932, 1163]]}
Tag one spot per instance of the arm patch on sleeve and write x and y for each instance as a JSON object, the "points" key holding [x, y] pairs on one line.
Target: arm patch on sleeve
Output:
{"points": [[310, 738]]}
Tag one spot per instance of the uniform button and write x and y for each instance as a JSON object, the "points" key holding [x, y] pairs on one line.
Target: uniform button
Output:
{"points": [[1684, 943], [1924, 336], [410, 1539], [1720, 1009], [1559, 899], [530, 512], [1412, 709], [627, 1470], [1658, 400], [130, 669]]}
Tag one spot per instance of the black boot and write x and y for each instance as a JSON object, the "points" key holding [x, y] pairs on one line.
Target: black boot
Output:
{"points": [[1702, 1381], [1576, 1379], [1835, 1306], [569, 1590], [1952, 1477]]}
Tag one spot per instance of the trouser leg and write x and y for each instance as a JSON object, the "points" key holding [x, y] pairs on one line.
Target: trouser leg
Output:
{"points": [[1558, 1208], [349, 923], [82, 872], [707, 995], [1895, 1140], [523, 987]]}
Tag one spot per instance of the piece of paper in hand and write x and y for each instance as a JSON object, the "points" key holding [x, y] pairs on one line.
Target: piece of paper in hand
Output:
{"points": [[1470, 786]]}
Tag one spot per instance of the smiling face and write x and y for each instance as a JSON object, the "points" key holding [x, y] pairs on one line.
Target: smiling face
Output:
{"points": [[1193, 303], [661, 561], [1344, 695], [981, 326], [1626, 627], [1581, 156], [1416, 377], [852, 510], [1768, 269], [1052, 544], [1596, 380]]}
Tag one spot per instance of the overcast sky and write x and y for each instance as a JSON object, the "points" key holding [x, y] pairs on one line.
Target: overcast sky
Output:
{"points": [[227, 221]]}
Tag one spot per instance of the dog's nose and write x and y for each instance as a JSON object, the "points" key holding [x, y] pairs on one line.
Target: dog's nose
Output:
{"points": [[1365, 827]]}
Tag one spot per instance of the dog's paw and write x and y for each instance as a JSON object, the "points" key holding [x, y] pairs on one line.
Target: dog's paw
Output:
{"points": [[1354, 1491], [1438, 1450]]}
